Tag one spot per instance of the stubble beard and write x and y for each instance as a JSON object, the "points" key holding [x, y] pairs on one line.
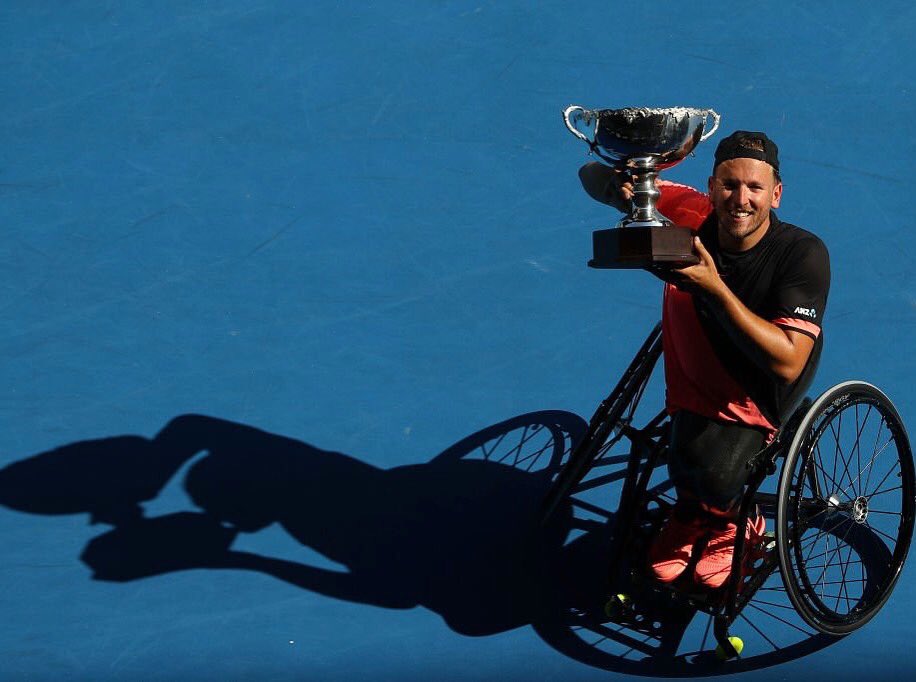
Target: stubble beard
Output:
{"points": [[743, 230]]}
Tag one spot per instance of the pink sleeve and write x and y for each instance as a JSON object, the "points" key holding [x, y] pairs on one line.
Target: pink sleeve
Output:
{"points": [[683, 205]]}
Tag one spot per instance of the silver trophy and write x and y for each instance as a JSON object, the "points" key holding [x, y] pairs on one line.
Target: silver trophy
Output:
{"points": [[641, 142]]}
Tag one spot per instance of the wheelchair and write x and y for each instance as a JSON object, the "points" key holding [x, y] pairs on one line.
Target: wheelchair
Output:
{"points": [[840, 514]]}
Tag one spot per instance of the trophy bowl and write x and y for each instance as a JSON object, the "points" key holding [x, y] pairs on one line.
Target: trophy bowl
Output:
{"points": [[641, 141], [620, 136]]}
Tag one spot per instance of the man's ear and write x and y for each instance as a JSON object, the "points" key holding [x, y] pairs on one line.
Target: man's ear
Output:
{"points": [[777, 194]]}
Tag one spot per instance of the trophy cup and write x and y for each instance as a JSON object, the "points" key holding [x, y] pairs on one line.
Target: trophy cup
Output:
{"points": [[641, 142]]}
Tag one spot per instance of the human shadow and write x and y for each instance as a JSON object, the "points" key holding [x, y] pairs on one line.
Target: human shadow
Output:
{"points": [[452, 535], [458, 535]]}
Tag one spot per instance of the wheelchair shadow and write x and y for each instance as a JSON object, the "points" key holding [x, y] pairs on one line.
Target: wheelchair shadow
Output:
{"points": [[449, 535], [457, 535]]}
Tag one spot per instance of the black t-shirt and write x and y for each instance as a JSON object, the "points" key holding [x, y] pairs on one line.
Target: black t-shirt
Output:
{"points": [[785, 279]]}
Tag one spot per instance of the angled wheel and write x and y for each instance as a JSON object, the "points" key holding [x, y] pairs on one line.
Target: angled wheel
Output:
{"points": [[607, 425], [845, 508]]}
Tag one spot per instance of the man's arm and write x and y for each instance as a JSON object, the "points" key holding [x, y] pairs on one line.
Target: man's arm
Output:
{"points": [[684, 205], [603, 184], [784, 352]]}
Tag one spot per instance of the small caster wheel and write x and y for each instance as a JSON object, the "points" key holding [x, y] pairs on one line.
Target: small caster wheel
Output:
{"points": [[617, 605], [736, 643]]}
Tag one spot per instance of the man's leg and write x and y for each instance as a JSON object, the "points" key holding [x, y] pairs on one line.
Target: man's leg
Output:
{"points": [[708, 466]]}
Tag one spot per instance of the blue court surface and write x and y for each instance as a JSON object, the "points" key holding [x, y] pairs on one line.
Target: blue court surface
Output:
{"points": [[284, 282]]}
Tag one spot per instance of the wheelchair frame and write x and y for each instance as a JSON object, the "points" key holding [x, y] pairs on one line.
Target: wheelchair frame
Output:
{"points": [[797, 444]]}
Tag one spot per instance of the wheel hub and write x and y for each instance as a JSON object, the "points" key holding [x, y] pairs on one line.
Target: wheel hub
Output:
{"points": [[860, 509]]}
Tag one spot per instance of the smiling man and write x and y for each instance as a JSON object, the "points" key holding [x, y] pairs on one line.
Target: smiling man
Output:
{"points": [[741, 336]]}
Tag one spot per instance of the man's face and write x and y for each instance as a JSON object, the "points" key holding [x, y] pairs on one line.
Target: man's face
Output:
{"points": [[742, 192]]}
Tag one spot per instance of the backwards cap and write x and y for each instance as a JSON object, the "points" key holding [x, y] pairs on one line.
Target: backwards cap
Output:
{"points": [[749, 145]]}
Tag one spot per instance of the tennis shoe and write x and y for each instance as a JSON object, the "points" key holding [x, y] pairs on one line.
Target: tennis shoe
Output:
{"points": [[715, 562], [670, 552]]}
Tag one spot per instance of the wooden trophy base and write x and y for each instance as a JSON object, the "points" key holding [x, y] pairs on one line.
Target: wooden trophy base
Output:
{"points": [[642, 247]]}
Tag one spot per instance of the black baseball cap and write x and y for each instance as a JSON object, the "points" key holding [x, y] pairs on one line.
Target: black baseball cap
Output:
{"points": [[749, 145]]}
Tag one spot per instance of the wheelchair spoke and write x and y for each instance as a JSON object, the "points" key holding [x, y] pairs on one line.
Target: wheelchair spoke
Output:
{"points": [[831, 552], [812, 540], [838, 554], [839, 449], [840, 479], [881, 492], [823, 567], [881, 532], [856, 569], [531, 459], [843, 587], [831, 486], [496, 443], [527, 434], [858, 443], [886, 476], [773, 615], [823, 470], [824, 597], [770, 603], [806, 542], [844, 567], [859, 435], [840, 582], [828, 557], [842, 456], [807, 505], [877, 438], [868, 466], [759, 631]]}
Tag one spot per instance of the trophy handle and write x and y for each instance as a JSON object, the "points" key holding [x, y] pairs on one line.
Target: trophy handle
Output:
{"points": [[571, 116], [715, 125]]}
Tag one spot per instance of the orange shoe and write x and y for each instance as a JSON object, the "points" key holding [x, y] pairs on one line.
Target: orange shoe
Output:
{"points": [[715, 562], [670, 551]]}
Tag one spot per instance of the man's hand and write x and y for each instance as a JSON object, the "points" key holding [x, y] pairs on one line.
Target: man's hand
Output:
{"points": [[784, 352], [607, 185], [702, 277]]}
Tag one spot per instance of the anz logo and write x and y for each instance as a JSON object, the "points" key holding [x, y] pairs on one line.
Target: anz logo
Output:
{"points": [[808, 312]]}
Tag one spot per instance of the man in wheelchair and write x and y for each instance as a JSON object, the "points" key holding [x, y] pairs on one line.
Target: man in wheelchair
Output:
{"points": [[741, 333]]}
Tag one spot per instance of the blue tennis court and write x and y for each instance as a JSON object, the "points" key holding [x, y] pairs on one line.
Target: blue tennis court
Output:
{"points": [[294, 295]]}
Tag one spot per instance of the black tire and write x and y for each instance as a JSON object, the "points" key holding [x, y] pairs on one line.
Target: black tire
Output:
{"points": [[605, 427], [845, 508]]}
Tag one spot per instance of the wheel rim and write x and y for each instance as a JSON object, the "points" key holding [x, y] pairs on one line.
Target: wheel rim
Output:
{"points": [[850, 510]]}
